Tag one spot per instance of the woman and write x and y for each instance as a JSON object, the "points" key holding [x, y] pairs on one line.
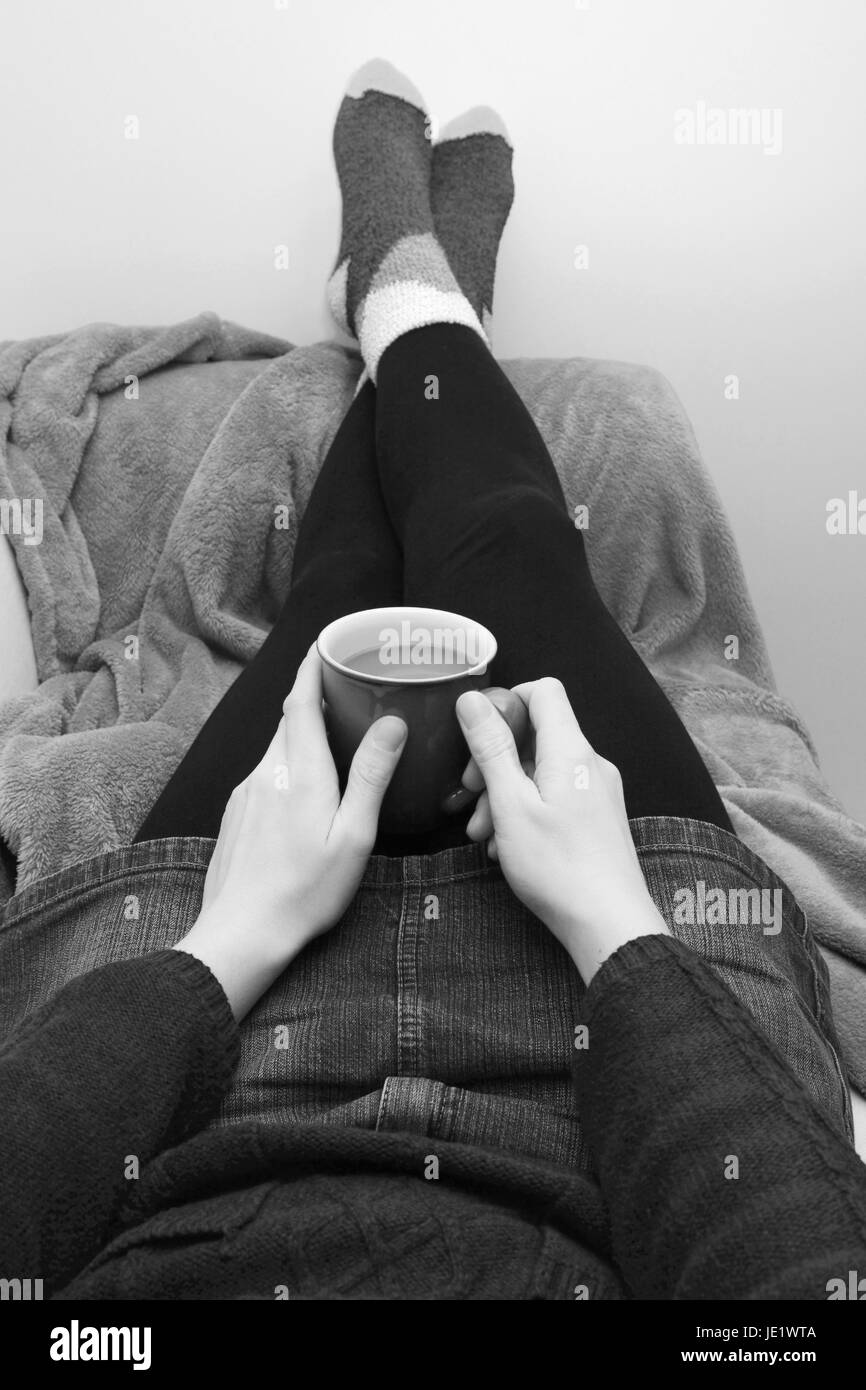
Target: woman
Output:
{"points": [[404, 1121]]}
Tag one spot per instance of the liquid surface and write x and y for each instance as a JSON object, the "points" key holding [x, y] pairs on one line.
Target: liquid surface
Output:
{"points": [[370, 663]]}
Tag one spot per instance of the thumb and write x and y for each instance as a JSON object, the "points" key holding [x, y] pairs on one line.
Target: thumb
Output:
{"points": [[372, 768], [492, 745]]}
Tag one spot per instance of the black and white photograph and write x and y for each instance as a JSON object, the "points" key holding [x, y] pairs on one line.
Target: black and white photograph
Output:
{"points": [[432, 672]]}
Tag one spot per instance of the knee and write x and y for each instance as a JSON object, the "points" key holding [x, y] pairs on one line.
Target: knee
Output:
{"points": [[525, 516]]}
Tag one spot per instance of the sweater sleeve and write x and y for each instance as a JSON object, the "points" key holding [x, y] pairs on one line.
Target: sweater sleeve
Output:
{"points": [[723, 1178], [122, 1063]]}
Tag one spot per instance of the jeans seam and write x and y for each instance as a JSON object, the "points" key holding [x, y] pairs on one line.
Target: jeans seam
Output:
{"points": [[64, 894], [384, 1100], [407, 985], [820, 1016], [705, 852]]}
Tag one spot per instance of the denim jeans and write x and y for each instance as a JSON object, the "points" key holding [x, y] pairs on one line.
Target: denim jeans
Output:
{"points": [[438, 1004]]}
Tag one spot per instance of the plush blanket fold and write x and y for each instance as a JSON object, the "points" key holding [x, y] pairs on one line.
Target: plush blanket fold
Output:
{"points": [[172, 466]]}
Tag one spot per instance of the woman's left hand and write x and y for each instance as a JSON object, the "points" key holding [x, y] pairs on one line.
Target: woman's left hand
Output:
{"points": [[290, 853]]}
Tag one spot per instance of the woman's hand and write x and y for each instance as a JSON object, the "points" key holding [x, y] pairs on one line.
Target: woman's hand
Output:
{"points": [[290, 852], [560, 831]]}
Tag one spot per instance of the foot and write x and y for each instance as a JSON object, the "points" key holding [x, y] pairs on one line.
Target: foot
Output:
{"points": [[392, 274], [471, 191]]}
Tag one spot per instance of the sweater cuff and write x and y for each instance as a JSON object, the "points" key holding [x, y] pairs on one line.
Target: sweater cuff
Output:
{"points": [[626, 970], [641, 953], [215, 1025]]}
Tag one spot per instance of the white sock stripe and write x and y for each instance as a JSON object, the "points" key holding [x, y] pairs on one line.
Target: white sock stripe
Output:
{"points": [[392, 310], [337, 291]]}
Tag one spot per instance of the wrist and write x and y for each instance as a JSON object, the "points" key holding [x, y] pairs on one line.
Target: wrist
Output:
{"points": [[591, 940], [246, 962]]}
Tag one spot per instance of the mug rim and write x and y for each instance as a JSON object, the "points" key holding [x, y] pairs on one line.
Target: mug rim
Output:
{"points": [[398, 609]]}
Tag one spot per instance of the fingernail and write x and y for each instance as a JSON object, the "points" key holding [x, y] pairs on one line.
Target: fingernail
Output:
{"points": [[472, 708], [457, 799], [390, 733]]}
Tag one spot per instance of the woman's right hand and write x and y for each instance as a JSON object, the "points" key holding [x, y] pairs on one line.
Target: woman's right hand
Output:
{"points": [[560, 829]]}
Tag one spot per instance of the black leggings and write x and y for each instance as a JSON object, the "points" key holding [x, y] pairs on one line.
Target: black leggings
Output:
{"points": [[443, 494]]}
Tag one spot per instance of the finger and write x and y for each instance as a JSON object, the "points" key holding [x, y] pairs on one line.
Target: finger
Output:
{"points": [[372, 768], [561, 747], [480, 826], [491, 744], [306, 736], [492, 850], [514, 712]]}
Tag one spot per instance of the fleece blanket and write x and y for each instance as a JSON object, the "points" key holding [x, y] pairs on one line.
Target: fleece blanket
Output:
{"points": [[173, 465]]}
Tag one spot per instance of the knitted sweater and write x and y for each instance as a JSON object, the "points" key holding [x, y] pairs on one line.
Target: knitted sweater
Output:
{"points": [[715, 1174]]}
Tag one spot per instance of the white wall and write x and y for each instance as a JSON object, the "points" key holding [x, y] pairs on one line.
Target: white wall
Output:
{"points": [[703, 261]]}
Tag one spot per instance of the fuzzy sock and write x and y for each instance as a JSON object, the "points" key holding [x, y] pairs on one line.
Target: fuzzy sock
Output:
{"points": [[471, 190], [392, 274]]}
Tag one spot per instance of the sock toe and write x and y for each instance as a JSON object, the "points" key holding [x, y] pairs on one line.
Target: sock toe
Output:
{"points": [[381, 76], [480, 120]]}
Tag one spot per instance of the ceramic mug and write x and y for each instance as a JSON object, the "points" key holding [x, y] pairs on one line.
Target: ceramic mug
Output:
{"points": [[415, 663]]}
